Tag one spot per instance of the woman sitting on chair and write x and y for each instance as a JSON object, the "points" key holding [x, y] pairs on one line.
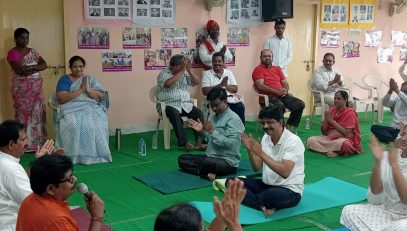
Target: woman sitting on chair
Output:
{"points": [[82, 123], [340, 130]]}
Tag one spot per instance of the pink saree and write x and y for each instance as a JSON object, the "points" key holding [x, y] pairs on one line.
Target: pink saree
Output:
{"points": [[332, 141], [28, 98]]}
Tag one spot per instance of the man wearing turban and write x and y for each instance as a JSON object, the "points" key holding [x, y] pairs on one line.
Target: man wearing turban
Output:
{"points": [[212, 45]]}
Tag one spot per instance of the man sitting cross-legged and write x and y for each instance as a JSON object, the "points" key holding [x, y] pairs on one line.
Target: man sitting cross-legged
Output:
{"points": [[223, 130], [281, 155]]}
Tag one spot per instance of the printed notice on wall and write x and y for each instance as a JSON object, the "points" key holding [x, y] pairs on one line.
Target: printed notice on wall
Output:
{"points": [[244, 12], [119, 60], [93, 37], [330, 39], [156, 59], [136, 37], [154, 12], [174, 37], [107, 9], [238, 36]]}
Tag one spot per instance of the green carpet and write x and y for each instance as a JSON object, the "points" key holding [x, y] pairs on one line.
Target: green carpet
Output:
{"points": [[133, 206]]}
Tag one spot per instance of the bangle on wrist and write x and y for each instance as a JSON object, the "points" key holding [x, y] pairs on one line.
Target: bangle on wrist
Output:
{"points": [[99, 219]]}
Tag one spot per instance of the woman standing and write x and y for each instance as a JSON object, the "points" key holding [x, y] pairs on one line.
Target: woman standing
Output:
{"points": [[340, 130], [26, 88]]}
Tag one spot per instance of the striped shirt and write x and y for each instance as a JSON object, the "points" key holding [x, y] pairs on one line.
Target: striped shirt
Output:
{"points": [[176, 96]]}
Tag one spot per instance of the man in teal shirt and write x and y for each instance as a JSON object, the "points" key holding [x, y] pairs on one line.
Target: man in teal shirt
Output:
{"points": [[223, 130]]}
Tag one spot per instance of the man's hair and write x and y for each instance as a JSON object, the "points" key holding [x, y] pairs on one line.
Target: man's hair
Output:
{"points": [[20, 31], [329, 54], [275, 112], [10, 130], [179, 217], [176, 60], [218, 54], [217, 92], [279, 21], [48, 169]]}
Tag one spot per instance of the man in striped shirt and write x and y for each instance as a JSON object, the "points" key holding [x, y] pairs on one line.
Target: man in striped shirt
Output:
{"points": [[173, 89]]}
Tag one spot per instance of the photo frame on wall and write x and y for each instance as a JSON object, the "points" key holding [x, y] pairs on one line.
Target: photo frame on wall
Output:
{"points": [[107, 9]]}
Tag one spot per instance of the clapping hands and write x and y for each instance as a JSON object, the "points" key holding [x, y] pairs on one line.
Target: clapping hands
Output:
{"points": [[48, 148], [228, 209]]}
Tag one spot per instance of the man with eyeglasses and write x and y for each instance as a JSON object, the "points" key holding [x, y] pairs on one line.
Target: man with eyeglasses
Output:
{"points": [[52, 182], [14, 182], [223, 131]]}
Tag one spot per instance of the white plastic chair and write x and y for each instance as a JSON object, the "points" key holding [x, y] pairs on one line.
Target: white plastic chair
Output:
{"points": [[375, 83], [55, 108], [161, 116], [321, 104]]}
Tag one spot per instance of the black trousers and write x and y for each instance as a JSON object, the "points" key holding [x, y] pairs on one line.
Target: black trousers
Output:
{"points": [[295, 105], [201, 165], [178, 124], [385, 134]]}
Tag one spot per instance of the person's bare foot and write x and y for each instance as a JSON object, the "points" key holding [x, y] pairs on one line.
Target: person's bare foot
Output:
{"points": [[331, 154], [211, 176], [267, 212], [188, 147]]}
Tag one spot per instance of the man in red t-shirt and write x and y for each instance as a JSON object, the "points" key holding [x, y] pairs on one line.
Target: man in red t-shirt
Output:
{"points": [[269, 80]]}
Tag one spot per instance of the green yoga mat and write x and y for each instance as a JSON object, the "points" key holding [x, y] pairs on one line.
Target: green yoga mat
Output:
{"points": [[326, 193], [176, 181]]}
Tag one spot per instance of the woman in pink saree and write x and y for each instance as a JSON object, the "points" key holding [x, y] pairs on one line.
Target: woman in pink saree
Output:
{"points": [[26, 88], [340, 130]]}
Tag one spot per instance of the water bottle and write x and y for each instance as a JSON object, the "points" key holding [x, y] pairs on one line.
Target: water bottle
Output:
{"points": [[142, 148], [154, 142], [308, 124], [118, 135]]}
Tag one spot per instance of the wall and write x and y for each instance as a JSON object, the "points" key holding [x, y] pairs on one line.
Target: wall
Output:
{"points": [[355, 68], [44, 20], [130, 107]]}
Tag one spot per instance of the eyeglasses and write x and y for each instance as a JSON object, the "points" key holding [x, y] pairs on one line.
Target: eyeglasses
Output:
{"points": [[70, 180]]}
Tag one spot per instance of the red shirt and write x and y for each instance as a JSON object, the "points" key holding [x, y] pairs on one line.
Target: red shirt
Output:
{"points": [[272, 77], [40, 213]]}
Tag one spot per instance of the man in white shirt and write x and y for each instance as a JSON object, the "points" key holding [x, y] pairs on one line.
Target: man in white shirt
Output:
{"points": [[281, 155], [399, 102], [327, 79], [221, 77], [281, 47], [14, 182], [212, 45]]}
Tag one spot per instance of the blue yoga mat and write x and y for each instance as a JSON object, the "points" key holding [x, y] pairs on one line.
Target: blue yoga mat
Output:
{"points": [[176, 181], [326, 193]]}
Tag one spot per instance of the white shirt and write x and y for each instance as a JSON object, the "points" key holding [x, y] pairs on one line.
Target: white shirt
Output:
{"points": [[206, 57], [282, 52], [210, 79], [289, 147], [14, 188], [389, 196], [321, 77], [399, 102]]}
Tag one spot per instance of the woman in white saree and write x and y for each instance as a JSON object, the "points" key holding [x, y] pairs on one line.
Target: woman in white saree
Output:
{"points": [[387, 194], [82, 128]]}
